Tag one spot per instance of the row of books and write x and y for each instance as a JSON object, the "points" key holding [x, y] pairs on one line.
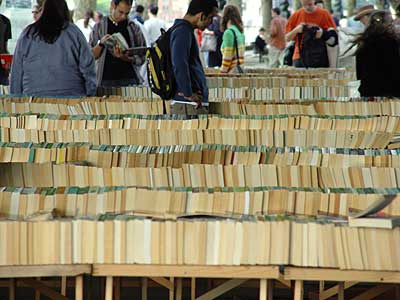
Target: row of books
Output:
{"points": [[113, 106], [61, 122], [133, 240], [278, 94], [200, 176], [261, 81], [239, 92], [154, 137], [21, 203], [177, 155], [333, 108], [85, 106], [331, 73]]}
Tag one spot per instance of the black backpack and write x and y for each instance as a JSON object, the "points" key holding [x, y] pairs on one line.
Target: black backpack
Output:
{"points": [[288, 54], [159, 67], [313, 52]]}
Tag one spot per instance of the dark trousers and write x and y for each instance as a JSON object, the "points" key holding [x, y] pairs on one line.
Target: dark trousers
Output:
{"points": [[297, 63]]}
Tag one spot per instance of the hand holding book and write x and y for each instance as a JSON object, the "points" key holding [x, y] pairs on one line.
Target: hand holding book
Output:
{"points": [[115, 40]]}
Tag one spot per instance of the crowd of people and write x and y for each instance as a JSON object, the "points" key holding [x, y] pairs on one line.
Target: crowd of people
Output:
{"points": [[55, 57]]}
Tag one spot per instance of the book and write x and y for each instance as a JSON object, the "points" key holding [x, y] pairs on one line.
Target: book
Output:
{"points": [[375, 222], [116, 39], [369, 218]]}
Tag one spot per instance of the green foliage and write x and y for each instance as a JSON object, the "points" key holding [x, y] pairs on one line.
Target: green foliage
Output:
{"points": [[103, 6]]}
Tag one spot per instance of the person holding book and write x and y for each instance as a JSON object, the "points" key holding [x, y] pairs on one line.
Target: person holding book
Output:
{"points": [[309, 16], [378, 57], [54, 60], [233, 40], [191, 97], [116, 67]]}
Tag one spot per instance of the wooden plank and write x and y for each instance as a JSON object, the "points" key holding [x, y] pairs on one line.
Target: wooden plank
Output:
{"points": [[270, 289], [11, 288], [321, 287], [109, 288], [44, 289], [255, 272], [64, 285], [172, 290], [179, 285], [374, 292], [223, 288], [317, 274], [193, 289], [117, 288], [284, 282], [144, 288], [263, 289], [43, 271], [48, 282], [79, 287], [334, 290], [163, 282], [37, 293], [298, 290], [341, 291]]}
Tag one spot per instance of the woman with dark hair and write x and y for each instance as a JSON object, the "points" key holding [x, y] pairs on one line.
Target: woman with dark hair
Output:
{"points": [[86, 24], [52, 57], [378, 57], [233, 46]]}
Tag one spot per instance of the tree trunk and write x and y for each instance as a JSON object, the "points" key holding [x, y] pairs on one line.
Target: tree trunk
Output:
{"points": [[351, 5], [266, 6], [337, 8], [81, 6]]}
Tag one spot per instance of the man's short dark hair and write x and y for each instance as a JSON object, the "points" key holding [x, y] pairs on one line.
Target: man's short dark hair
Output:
{"points": [[277, 10], [319, 1], [154, 9], [139, 9], [202, 6], [262, 29], [129, 2]]}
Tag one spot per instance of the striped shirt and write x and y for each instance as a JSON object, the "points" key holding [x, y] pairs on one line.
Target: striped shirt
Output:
{"points": [[229, 58]]}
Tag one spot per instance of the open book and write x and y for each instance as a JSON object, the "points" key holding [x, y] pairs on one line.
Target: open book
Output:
{"points": [[117, 39], [368, 217]]}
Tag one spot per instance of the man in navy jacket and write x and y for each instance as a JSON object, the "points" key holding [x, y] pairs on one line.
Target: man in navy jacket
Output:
{"points": [[192, 91]]}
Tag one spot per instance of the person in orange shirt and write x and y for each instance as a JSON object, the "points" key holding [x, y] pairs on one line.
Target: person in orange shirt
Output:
{"points": [[309, 15], [277, 33]]}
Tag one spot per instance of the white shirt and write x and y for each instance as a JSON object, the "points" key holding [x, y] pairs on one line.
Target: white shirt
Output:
{"points": [[153, 26], [86, 31]]}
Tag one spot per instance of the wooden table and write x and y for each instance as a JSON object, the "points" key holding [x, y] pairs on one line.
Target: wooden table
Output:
{"points": [[26, 274], [165, 275]]}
